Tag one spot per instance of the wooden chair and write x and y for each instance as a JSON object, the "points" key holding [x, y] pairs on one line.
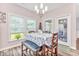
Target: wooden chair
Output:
{"points": [[43, 50], [31, 46], [53, 49]]}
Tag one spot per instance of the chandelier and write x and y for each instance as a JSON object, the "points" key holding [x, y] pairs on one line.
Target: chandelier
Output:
{"points": [[41, 9]]}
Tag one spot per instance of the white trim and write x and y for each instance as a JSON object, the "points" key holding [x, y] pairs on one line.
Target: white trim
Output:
{"points": [[63, 43], [9, 17], [72, 47], [10, 47], [52, 19]]}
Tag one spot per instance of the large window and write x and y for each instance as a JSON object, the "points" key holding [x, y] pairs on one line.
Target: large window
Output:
{"points": [[48, 25], [31, 25], [17, 26]]}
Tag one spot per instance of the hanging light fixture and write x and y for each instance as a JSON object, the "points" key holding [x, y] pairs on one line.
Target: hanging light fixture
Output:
{"points": [[41, 6], [41, 9]]}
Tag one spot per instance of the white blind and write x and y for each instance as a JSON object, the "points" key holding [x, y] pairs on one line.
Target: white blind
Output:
{"points": [[16, 24], [31, 25]]}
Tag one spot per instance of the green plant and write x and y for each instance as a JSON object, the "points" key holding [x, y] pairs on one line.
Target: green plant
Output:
{"points": [[17, 36]]}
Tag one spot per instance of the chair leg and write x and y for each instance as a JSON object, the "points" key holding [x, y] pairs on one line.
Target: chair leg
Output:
{"points": [[26, 50], [56, 52], [47, 51], [29, 51], [36, 53], [52, 52], [22, 49]]}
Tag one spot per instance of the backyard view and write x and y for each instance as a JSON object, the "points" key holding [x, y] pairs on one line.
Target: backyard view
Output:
{"points": [[17, 26], [17, 36]]}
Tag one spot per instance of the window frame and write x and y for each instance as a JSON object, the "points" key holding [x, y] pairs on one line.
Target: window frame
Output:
{"points": [[25, 18], [9, 28], [35, 24]]}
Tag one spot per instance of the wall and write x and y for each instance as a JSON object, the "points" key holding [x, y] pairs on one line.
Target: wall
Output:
{"points": [[77, 19], [77, 25], [65, 10], [4, 27]]}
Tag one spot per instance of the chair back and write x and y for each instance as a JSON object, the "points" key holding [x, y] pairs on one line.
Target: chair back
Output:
{"points": [[55, 43]]}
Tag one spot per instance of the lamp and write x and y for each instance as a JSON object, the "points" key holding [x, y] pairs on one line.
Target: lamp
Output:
{"points": [[41, 9]]}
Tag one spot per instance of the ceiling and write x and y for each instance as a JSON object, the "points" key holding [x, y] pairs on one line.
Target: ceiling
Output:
{"points": [[51, 6]]}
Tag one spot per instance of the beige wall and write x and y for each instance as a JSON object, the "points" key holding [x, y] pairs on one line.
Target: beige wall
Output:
{"points": [[65, 10], [77, 18], [4, 27]]}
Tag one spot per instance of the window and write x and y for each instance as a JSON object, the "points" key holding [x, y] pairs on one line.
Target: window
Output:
{"points": [[16, 28], [31, 25], [48, 25]]}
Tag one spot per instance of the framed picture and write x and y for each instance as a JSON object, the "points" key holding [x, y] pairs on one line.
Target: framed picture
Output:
{"points": [[2, 17]]}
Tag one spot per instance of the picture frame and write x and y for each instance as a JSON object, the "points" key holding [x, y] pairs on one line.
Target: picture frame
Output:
{"points": [[2, 17]]}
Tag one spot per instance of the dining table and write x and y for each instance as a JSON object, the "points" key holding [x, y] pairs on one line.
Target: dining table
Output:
{"points": [[40, 38], [43, 40]]}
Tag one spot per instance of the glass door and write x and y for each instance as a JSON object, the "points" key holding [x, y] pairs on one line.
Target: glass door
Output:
{"points": [[62, 32]]}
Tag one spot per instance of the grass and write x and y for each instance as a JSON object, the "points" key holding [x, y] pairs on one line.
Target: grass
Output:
{"points": [[13, 36]]}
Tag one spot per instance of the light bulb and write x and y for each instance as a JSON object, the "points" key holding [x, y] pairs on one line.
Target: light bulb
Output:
{"points": [[46, 8], [41, 6], [43, 11], [37, 11], [36, 7]]}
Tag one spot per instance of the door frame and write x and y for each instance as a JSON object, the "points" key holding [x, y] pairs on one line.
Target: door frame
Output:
{"points": [[68, 30]]}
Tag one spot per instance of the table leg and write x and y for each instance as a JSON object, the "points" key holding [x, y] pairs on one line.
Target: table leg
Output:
{"points": [[22, 49]]}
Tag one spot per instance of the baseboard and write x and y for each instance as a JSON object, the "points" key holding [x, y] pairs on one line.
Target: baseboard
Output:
{"points": [[63, 43], [10, 47], [72, 47], [67, 45]]}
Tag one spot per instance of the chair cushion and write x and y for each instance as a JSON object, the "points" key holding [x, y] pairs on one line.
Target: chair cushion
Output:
{"points": [[33, 46]]}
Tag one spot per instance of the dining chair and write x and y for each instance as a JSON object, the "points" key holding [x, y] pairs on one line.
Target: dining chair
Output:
{"points": [[31, 46], [53, 49]]}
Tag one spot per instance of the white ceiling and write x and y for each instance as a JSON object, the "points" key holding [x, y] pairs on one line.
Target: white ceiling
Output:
{"points": [[51, 6]]}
